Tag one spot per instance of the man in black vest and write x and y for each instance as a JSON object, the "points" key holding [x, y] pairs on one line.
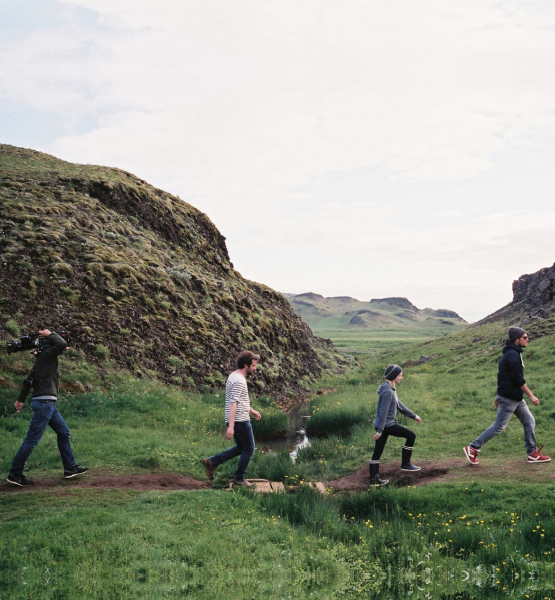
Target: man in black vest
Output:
{"points": [[511, 387], [44, 379]]}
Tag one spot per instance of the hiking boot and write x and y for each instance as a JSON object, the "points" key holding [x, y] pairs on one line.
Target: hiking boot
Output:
{"points": [[537, 457], [21, 481], [375, 479], [410, 467], [406, 465], [209, 468], [246, 483], [472, 455], [74, 471]]}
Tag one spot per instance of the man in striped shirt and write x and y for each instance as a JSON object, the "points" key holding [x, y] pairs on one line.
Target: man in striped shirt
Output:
{"points": [[237, 420]]}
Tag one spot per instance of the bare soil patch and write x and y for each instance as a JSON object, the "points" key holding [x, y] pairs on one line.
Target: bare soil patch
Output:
{"points": [[360, 480], [142, 482], [489, 470]]}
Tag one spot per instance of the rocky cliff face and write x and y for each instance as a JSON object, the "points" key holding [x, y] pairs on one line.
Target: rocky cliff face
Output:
{"points": [[138, 277], [536, 290], [533, 303]]}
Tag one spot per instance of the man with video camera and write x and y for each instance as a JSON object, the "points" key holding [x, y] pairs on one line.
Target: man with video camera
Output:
{"points": [[44, 379]]}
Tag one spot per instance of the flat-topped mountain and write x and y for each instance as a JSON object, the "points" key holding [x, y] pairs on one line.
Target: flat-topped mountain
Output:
{"points": [[395, 301], [138, 277], [379, 313]]}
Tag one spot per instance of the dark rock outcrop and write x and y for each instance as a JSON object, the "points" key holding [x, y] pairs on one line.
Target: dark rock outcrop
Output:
{"points": [[533, 304], [537, 289], [420, 361]]}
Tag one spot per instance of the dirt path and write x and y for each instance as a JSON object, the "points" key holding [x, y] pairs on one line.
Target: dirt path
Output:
{"points": [[495, 470], [450, 470], [141, 482]]}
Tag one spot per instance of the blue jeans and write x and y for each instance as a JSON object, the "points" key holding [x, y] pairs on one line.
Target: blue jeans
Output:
{"points": [[44, 413], [244, 448], [508, 408]]}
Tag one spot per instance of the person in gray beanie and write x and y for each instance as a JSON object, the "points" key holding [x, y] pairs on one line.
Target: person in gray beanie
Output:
{"points": [[385, 424], [511, 387]]}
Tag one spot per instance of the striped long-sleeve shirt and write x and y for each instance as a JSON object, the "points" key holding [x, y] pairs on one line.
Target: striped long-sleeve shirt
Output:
{"points": [[236, 392]]}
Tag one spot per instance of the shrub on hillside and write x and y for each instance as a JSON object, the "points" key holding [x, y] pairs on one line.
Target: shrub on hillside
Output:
{"points": [[12, 327], [338, 421], [102, 351]]}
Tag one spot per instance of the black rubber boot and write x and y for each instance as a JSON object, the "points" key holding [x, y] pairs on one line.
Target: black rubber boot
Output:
{"points": [[406, 465], [374, 466]]}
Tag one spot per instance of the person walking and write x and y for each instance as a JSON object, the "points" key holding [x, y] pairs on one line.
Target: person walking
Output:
{"points": [[237, 419], [44, 379], [511, 387], [386, 424]]}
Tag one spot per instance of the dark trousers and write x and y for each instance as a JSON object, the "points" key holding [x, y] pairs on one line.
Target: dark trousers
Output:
{"points": [[44, 413], [396, 431], [244, 448]]}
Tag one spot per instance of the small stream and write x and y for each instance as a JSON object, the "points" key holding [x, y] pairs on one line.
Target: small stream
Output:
{"points": [[296, 429], [295, 439]]}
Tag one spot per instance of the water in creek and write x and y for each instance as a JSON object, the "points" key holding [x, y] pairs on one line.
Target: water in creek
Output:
{"points": [[295, 439], [296, 429]]}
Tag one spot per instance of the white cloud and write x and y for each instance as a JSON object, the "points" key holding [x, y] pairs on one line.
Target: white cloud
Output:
{"points": [[253, 96], [236, 105]]}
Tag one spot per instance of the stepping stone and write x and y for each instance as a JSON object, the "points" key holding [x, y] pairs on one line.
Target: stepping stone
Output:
{"points": [[321, 487], [264, 487], [278, 487]]}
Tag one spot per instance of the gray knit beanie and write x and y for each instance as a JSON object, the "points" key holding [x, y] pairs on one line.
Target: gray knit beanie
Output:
{"points": [[392, 371], [515, 333]]}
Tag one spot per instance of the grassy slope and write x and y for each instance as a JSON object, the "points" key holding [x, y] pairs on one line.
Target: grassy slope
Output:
{"points": [[139, 275], [161, 545]]}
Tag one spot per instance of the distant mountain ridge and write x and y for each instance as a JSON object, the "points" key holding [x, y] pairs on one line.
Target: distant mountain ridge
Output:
{"points": [[378, 313]]}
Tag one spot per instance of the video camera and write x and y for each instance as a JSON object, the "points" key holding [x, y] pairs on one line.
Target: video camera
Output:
{"points": [[33, 342]]}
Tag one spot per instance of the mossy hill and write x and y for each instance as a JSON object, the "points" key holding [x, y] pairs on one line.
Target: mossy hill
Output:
{"points": [[399, 314], [138, 277]]}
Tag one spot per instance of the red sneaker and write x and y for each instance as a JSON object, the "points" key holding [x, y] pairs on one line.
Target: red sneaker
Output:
{"points": [[472, 455], [537, 457]]}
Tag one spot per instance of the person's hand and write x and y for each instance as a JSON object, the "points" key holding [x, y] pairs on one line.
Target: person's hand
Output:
{"points": [[534, 400], [256, 415], [377, 436], [496, 403], [44, 332], [229, 433], [19, 406], [419, 419]]}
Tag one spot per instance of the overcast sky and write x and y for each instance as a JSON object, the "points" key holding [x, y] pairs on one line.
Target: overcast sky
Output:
{"points": [[361, 148]]}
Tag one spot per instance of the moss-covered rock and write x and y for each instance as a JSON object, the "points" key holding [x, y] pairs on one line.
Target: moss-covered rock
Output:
{"points": [[139, 276]]}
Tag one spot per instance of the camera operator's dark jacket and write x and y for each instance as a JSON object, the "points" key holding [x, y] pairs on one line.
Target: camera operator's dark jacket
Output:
{"points": [[510, 377], [44, 377]]}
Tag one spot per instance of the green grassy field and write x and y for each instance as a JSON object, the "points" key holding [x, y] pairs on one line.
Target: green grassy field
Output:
{"points": [[473, 532], [362, 341], [390, 322]]}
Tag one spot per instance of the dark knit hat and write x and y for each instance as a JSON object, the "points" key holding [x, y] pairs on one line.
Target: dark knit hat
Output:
{"points": [[392, 371], [516, 333]]}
